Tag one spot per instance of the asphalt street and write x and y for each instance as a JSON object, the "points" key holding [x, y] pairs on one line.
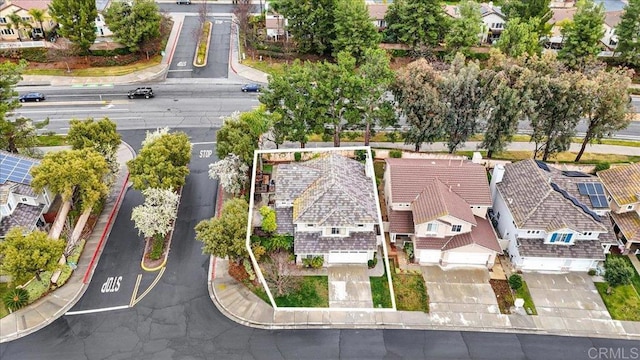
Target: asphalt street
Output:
{"points": [[177, 320]]}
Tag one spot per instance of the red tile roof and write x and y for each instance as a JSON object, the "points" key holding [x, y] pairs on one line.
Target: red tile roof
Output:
{"points": [[410, 176], [377, 11], [437, 200], [29, 4], [482, 235], [401, 222]]}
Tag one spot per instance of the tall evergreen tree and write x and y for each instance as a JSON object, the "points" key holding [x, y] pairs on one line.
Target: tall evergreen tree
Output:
{"points": [[134, 25], [77, 21], [311, 23], [628, 33], [354, 31], [520, 37], [527, 10], [466, 30], [582, 36], [416, 22]]}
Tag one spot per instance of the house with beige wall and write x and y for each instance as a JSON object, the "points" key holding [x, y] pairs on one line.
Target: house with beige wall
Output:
{"points": [[29, 28]]}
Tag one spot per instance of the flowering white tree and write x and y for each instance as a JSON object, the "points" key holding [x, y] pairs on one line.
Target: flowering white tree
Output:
{"points": [[155, 135], [232, 173], [155, 217]]}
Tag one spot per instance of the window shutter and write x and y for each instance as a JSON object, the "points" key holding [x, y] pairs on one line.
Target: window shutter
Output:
{"points": [[568, 238], [553, 238]]}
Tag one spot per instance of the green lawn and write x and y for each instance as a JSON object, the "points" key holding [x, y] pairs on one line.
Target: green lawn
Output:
{"points": [[52, 140], [99, 71], [623, 303], [4, 288], [313, 292], [267, 168], [380, 291], [411, 292], [523, 293], [635, 279]]}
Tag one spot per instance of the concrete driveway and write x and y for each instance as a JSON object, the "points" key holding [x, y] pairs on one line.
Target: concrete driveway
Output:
{"points": [[459, 290], [349, 286], [569, 295]]}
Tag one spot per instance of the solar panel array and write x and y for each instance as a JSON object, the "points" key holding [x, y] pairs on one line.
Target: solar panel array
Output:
{"points": [[574, 174], [16, 169], [595, 191], [542, 165], [576, 202]]}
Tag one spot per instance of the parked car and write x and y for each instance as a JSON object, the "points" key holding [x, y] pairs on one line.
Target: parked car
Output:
{"points": [[32, 96], [251, 88], [141, 92], [185, 2]]}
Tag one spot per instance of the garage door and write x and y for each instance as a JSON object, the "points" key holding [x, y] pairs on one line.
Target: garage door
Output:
{"points": [[429, 256], [580, 265], [356, 257], [468, 258], [542, 264]]}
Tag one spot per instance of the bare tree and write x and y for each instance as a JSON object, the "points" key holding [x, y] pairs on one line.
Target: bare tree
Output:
{"points": [[242, 11], [276, 274]]}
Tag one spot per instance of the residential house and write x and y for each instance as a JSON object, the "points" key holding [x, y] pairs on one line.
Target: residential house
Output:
{"points": [[329, 205], [440, 206], [102, 30], [30, 29], [622, 185], [554, 220], [20, 205], [276, 27], [611, 21], [377, 13], [493, 20]]}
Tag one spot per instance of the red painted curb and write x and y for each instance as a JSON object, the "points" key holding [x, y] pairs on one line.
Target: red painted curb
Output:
{"points": [[104, 232], [175, 41], [231, 50]]}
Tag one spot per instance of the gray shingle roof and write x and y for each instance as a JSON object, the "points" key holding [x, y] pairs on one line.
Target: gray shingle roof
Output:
{"points": [[623, 183], [315, 243], [582, 249], [284, 220], [23, 215], [535, 205], [437, 200]]}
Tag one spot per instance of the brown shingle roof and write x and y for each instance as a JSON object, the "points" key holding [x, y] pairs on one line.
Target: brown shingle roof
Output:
{"points": [[623, 183], [534, 204], [612, 18], [582, 249], [377, 11], [437, 200], [629, 224], [482, 235], [410, 176], [315, 243], [401, 222]]}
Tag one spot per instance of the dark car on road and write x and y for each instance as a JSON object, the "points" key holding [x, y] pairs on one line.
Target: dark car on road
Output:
{"points": [[185, 2], [251, 88], [32, 96], [141, 92]]}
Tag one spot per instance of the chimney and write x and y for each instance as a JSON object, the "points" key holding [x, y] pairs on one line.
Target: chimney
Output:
{"points": [[496, 177], [449, 188]]}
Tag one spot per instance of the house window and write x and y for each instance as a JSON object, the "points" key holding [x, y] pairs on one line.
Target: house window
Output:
{"points": [[26, 18], [561, 238], [630, 207], [335, 231], [24, 199], [3, 20], [7, 32], [360, 225], [588, 233], [456, 228], [609, 198], [9, 206], [309, 225], [432, 228]]}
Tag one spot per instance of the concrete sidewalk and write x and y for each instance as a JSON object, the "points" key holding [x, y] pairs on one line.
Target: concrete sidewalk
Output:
{"points": [[52, 306]]}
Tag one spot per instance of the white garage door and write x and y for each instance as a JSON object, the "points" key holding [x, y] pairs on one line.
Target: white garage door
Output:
{"points": [[429, 256], [468, 258], [356, 257], [580, 265], [542, 264]]}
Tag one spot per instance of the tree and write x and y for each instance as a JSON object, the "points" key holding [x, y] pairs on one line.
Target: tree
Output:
{"points": [[606, 105], [627, 33], [39, 16], [17, 22], [241, 134], [466, 30], [100, 135], [27, 255], [77, 21], [287, 96], [617, 271], [311, 23], [354, 31], [162, 162], [268, 219], [376, 78], [515, 281], [528, 10], [232, 172], [461, 94], [155, 218], [276, 274], [10, 75], [416, 91], [21, 133], [226, 235], [133, 25], [582, 35], [520, 37], [504, 103], [416, 23]]}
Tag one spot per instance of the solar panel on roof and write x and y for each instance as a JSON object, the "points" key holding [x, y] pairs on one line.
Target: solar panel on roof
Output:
{"points": [[598, 201], [582, 188], [599, 188], [16, 169], [542, 165], [574, 174], [576, 202]]}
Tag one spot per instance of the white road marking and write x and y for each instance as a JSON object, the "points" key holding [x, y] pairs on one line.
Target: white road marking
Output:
{"points": [[204, 143], [97, 310], [67, 110]]}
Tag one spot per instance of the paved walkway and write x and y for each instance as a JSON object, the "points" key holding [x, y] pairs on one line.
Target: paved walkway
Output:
{"points": [[44, 311]]}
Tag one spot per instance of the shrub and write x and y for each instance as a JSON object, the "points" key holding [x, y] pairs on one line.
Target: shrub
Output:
{"points": [[373, 262], [34, 54], [297, 156], [315, 262], [360, 155], [602, 166], [408, 249], [591, 272], [16, 299], [249, 269], [268, 219], [373, 154], [156, 248], [515, 281], [617, 271], [396, 154]]}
